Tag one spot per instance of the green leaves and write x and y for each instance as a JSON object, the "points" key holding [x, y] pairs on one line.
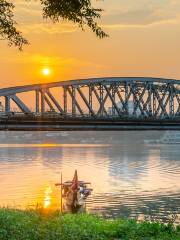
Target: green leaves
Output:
{"points": [[76, 11], [79, 12], [33, 225], [8, 29]]}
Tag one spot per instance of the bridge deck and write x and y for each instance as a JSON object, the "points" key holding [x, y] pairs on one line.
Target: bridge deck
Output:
{"points": [[40, 123]]}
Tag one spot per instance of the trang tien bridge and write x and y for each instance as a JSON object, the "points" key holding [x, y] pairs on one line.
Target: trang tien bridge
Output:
{"points": [[117, 103]]}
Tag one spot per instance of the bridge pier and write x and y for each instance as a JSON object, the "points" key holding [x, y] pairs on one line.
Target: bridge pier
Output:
{"points": [[65, 99], [90, 101], [37, 101], [42, 102], [7, 104]]}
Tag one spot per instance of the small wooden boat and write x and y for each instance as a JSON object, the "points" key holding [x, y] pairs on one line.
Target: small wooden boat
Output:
{"points": [[74, 194]]}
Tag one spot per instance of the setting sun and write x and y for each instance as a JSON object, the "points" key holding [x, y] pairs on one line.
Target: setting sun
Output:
{"points": [[46, 71]]}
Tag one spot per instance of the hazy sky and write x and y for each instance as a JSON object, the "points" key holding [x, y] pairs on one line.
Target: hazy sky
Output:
{"points": [[144, 41]]}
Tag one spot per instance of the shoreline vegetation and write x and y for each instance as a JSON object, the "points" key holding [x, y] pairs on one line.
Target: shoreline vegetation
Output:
{"points": [[34, 225]]}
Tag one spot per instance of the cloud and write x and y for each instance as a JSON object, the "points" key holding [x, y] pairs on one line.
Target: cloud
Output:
{"points": [[57, 61], [28, 15], [50, 28], [27, 11], [136, 17], [38, 59], [50, 60], [141, 14], [117, 14]]}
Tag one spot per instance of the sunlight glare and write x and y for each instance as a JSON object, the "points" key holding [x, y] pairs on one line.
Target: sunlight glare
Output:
{"points": [[46, 71], [47, 197]]}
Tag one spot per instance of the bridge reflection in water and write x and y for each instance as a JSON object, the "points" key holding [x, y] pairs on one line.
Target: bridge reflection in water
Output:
{"points": [[117, 103]]}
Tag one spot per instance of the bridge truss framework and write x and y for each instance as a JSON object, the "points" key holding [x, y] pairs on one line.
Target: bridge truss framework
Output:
{"points": [[102, 97]]}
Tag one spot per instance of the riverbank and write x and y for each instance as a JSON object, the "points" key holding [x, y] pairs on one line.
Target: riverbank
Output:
{"points": [[17, 224]]}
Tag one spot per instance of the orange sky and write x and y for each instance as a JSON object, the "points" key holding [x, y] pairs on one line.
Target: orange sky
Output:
{"points": [[144, 41]]}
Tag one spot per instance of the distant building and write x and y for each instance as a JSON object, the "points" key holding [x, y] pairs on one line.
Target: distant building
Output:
{"points": [[1, 107], [131, 107]]}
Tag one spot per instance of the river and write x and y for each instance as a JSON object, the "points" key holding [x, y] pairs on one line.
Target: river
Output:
{"points": [[129, 178]]}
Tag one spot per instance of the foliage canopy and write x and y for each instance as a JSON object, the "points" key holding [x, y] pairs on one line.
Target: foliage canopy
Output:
{"points": [[8, 29], [80, 12]]}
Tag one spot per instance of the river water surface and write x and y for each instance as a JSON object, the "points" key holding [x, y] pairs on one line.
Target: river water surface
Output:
{"points": [[129, 178]]}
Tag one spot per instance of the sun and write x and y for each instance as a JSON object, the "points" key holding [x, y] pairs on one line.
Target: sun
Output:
{"points": [[46, 71]]}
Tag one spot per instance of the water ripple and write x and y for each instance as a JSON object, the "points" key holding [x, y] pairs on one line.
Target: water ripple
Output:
{"points": [[128, 178]]}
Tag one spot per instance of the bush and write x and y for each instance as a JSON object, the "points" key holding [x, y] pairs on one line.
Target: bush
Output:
{"points": [[34, 225]]}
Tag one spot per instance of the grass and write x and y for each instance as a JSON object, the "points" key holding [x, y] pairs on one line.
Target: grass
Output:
{"points": [[33, 225]]}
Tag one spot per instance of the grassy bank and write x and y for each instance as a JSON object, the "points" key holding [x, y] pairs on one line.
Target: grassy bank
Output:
{"points": [[32, 225]]}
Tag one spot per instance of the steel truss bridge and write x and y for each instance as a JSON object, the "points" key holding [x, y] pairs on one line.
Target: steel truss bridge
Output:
{"points": [[117, 103]]}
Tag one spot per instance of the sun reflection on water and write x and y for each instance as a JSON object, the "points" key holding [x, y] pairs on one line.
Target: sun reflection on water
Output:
{"points": [[47, 197]]}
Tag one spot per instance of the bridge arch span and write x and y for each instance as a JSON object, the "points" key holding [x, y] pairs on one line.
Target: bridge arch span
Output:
{"points": [[108, 97]]}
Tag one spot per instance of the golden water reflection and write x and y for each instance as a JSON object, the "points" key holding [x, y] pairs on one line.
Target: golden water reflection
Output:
{"points": [[126, 178], [47, 197]]}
